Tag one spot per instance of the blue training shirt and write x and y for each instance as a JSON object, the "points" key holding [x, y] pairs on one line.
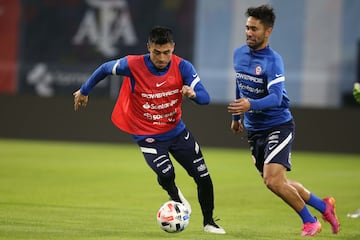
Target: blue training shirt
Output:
{"points": [[260, 78], [121, 67]]}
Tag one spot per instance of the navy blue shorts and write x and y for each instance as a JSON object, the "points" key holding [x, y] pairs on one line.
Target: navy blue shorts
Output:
{"points": [[184, 149], [272, 145]]}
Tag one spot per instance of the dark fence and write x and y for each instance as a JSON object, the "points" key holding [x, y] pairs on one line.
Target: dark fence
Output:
{"points": [[29, 117]]}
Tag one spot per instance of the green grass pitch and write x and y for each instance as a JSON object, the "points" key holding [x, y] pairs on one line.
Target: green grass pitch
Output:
{"points": [[66, 190]]}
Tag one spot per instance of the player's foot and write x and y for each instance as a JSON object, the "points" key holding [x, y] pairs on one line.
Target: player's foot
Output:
{"points": [[354, 214], [311, 229], [184, 201], [212, 227], [330, 214]]}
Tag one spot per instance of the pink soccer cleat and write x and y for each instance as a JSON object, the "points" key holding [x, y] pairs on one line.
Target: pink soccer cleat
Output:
{"points": [[311, 229], [330, 214]]}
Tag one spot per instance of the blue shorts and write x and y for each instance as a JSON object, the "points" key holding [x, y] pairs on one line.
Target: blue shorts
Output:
{"points": [[272, 145], [183, 148]]}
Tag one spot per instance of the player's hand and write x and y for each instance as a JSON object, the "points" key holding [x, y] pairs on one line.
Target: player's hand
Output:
{"points": [[188, 92], [79, 100], [356, 92], [239, 106], [237, 126]]}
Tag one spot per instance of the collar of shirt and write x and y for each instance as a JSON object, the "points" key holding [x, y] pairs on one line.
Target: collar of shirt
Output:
{"points": [[154, 70], [260, 51]]}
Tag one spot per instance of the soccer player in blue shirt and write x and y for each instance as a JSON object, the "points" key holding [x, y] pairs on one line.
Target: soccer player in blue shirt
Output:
{"points": [[262, 108], [149, 108]]}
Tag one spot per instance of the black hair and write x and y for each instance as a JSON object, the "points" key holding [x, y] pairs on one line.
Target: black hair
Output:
{"points": [[264, 13], [160, 35]]}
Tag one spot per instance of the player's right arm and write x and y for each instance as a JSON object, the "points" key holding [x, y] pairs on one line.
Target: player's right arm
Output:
{"points": [[236, 123], [79, 100], [114, 67], [237, 126]]}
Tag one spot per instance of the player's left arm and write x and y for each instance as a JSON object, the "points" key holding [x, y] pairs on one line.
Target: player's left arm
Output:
{"points": [[193, 88], [273, 99], [275, 87]]}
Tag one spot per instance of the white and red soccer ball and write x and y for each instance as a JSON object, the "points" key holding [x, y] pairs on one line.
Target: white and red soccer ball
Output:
{"points": [[173, 217]]}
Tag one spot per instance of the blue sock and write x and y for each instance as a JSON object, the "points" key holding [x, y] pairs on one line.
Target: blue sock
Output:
{"points": [[316, 203], [306, 215]]}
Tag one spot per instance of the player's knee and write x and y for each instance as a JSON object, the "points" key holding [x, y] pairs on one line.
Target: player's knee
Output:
{"points": [[167, 181], [166, 171], [274, 184], [204, 182], [298, 186]]}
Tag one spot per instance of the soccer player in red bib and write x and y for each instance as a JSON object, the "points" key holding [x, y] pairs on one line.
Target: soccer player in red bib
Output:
{"points": [[149, 108]]}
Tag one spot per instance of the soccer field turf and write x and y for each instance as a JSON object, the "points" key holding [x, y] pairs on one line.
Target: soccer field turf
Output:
{"points": [[66, 190]]}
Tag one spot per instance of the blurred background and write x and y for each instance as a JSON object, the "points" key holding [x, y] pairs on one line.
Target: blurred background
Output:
{"points": [[48, 48]]}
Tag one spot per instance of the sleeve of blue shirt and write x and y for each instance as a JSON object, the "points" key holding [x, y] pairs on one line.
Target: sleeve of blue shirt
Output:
{"points": [[191, 78], [114, 67], [272, 100]]}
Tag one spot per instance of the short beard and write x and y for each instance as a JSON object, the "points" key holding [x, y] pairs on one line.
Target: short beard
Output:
{"points": [[256, 46]]}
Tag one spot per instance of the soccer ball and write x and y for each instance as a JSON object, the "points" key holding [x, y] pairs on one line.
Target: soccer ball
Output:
{"points": [[173, 217]]}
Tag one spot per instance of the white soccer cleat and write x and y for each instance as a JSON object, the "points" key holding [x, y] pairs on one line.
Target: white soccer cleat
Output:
{"points": [[354, 214], [184, 201], [214, 228]]}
